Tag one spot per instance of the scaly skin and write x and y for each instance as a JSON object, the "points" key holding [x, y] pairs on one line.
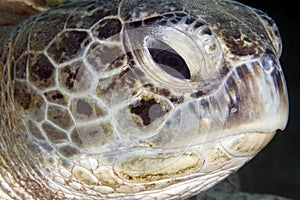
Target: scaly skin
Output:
{"points": [[137, 99]]}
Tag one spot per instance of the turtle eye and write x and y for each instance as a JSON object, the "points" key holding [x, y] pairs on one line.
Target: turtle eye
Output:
{"points": [[169, 60]]}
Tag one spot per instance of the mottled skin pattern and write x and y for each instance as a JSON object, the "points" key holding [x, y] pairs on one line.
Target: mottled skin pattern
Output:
{"points": [[137, 99]]}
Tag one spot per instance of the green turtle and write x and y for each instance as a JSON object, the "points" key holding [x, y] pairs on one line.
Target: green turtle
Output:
{"points": [[132, 99]]}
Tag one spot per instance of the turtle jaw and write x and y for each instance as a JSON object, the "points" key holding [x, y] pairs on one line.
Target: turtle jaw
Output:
{"points": [[258, 98]]}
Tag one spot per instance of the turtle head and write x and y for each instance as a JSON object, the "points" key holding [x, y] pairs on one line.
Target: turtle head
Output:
{"points": [[137, 99]]}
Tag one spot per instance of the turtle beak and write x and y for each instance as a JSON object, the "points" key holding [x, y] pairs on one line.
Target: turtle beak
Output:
{"points": [[258, 98], [273, 74]]}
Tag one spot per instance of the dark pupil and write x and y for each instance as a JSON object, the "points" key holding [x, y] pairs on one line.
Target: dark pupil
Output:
{"points": [[171, 62]]}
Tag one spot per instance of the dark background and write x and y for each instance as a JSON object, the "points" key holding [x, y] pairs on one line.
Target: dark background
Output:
{"points": [[276, 170]]}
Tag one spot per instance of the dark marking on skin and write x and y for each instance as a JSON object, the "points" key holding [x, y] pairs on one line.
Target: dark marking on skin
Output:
{"points": [[198, 24], [29, 101], [177, 100], [142, 109], [135, 24], [276, 32], [207, 31], [198, 94], [189, 21], [161, 91], [164, 92], [236, 45], [118, 62], [153, 20], [24, 99], [174, 21], [148, 85], [180, 14], [238, 48], [72, 76], [224, 71], [247, 39], [205, 104], [56, 96]]}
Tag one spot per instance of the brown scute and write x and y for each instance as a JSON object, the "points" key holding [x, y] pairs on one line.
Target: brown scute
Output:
{"points": [[29, 101], [71, 76], [20, 67], [84, 107], [41, 71], [107, 28], [87, 15], [68, 151], [75, 138], [35, 131], [75, 77], [94, 135], [68, 45], [20, 38], [23, 98], [59, 116], [150, 7], [237, 47], [142, 109], [101, 57], [54, 135], [45, 29]]}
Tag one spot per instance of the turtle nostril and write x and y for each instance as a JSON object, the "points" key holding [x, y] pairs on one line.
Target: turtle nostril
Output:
{"points": [[268, 62], [169, 60]]}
